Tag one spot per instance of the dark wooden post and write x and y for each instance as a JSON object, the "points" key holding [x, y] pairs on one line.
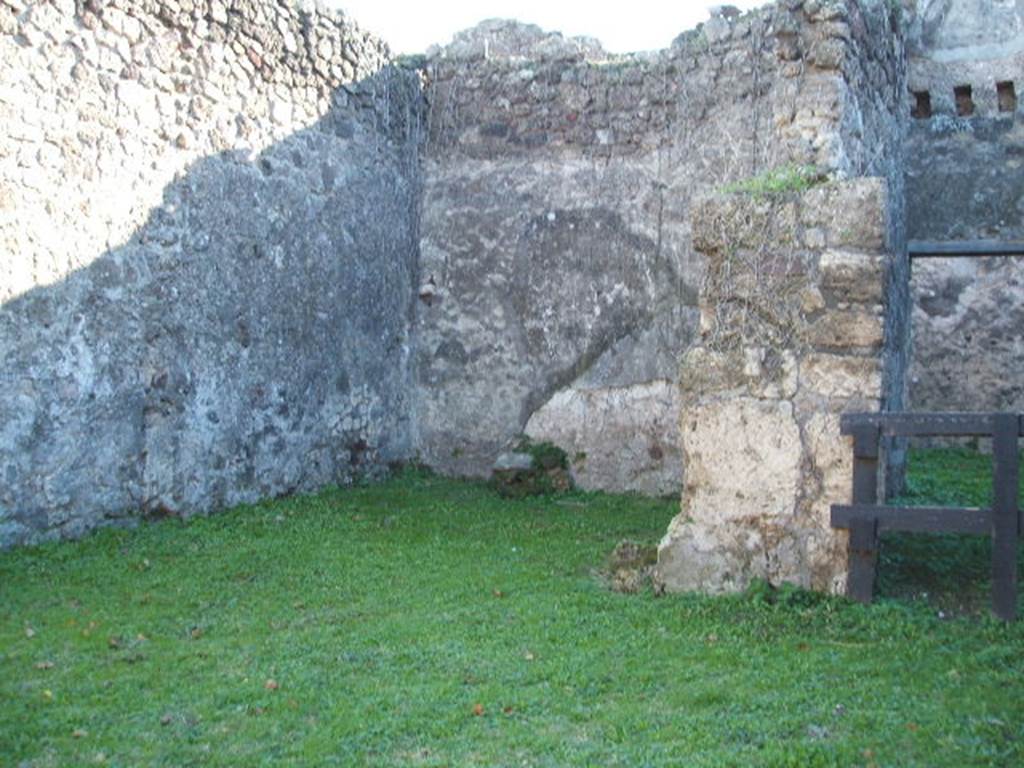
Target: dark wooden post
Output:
{"points": [[1005, 514], [863, 547]]}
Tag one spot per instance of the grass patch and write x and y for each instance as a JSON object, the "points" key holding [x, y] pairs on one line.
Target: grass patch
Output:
{"points": [[950, 572], [428, 622], [778, 181]]}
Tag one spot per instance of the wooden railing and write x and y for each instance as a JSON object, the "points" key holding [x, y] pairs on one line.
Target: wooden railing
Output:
{"points": [[866, 518]]}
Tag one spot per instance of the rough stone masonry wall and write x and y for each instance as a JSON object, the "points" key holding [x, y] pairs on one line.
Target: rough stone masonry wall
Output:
{"points": [[207, 257], [965, 181], [803, 317], [560, 282], [792, 334]]}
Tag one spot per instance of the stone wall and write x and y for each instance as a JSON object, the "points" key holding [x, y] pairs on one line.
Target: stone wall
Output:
{"points": [[804, 316], [792, 335], [277, 261], [208, 216], [965, 181], [561, 282], [968, 343]]}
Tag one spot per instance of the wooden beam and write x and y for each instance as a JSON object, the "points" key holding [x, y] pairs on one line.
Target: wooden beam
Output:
{"points": [[863, 558], [915, 519], [924, 424], [1006, 476], [918, 249]]}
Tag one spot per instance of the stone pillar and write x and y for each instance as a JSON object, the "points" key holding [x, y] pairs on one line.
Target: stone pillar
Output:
{"points": [[792, 324]]}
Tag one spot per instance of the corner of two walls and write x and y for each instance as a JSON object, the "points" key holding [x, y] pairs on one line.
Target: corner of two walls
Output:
{"points": [[556, 246], [221, 304]]}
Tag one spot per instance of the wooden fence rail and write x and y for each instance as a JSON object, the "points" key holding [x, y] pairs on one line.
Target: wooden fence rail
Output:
{"points": [[866, 518]]}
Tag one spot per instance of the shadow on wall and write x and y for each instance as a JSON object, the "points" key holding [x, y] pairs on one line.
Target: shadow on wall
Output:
{"points": [[250, 340]]}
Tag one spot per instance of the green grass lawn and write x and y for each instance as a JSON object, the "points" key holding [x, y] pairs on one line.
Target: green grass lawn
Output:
{"points": [[425, 621]]}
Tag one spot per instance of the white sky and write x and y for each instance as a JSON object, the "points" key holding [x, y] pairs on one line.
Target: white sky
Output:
{"points": [[622, 27]]}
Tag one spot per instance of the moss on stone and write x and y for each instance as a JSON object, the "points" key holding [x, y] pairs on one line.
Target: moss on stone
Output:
{"points": [[546, 473], [545, 455]]}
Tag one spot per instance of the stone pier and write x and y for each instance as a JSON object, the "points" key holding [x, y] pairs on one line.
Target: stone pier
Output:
{"points": [[792, 335]]}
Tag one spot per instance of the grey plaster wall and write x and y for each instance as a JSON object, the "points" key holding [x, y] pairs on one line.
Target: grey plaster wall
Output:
{"points": [[965, 181], [556, 243], [966, 30], [208, 234]]}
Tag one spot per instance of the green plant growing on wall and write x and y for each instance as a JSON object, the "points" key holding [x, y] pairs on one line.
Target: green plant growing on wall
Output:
{"points": [[778, 181]]}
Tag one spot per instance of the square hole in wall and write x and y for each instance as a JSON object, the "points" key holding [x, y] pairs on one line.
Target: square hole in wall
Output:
{"points": [[1007, 96], [922, 107], [964, 100]]}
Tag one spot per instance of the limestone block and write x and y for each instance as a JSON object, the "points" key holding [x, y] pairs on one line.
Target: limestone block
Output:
{"points": [[853, 277], [281, 112], [846, 330], [754, 371], [841, 376], [851, 214], [757, 500], [743, 459], [827, 54], [218, 12]]}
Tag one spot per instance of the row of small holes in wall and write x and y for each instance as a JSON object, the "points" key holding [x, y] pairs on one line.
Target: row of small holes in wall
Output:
{"points": [[1005, 92]]}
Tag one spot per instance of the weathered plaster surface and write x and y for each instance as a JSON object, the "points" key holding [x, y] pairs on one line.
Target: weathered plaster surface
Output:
{"points": [[207, 226], [627, 435], [968, 335], [965, 181], [558, 187]]}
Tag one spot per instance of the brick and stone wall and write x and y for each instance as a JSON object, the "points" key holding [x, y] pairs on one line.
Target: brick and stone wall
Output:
{"points": [[804, 316], [207, 225]]}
